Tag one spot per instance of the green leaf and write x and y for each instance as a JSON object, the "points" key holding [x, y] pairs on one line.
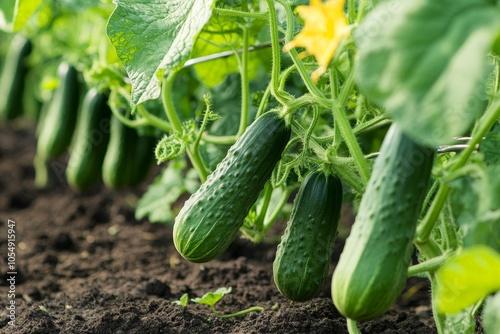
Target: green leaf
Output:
{"points": [[426, 62], [166, 189], [153, 36], [211, 298], [467, 278], [491, 314], [15, 13], [183, 301], [462, 322], [25, 9], [476, 205], [7, 8], [223, 34]]}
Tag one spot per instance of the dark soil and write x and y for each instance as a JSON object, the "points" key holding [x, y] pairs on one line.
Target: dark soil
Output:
{"points": [[85, 265]]}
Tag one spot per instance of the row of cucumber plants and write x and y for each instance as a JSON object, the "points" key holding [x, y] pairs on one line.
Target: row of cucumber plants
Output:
{"points": [[391, 105]]}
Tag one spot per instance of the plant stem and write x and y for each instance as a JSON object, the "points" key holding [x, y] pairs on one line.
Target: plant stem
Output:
{"points": [[281, 96], [429, 265], [131, 123], [439, 318], [239, 13], [263, 101], [311, 87], [166, 98], [153, 120], [242, 312], [268, 223], [352, 327], [244, 84], [221, 140], [361, 11], [346, 174], [193, 153], [259, 221], [484, 125]]}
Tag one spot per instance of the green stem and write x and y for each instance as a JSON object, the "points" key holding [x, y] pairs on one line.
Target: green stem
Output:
{"points": [[153, 120], [345, 129], [429, 265], [193, 154], [485, 123], [372, 124], [240, 313], [166, 98], [281, 96], [439, 318], [361, 11], [345, 172], [259, 222], [263, 101], [352, 143], [239, 13], [311, 87], [220, 140], [449, 228], [131, 123], [271, 219], [425, 228], [244, 83], [352, 327]]}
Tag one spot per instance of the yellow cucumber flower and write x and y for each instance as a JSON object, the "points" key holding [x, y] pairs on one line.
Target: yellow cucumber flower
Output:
{"points": [[325, 27]]}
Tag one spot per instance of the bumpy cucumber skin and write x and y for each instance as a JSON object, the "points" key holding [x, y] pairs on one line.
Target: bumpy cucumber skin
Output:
{"points": [[12, 81], [58, 124], [303, 256], [89, 144], [210, 219], [372, 269]]}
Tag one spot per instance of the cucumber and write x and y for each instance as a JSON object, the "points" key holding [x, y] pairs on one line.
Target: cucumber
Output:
{"points": [[13, 77], [373, 266], [128, 156], [303, 255], [142, 160], [116, 167], [210, 219], [59, 120], [90, 141]]}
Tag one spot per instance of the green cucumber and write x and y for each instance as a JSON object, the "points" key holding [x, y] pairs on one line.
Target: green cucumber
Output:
{"points": [[116, 167], [89, 144], [13, 78], [142, 160], [58, 124], [211, 218], [372, 269], [128, 157], [303, 256]]}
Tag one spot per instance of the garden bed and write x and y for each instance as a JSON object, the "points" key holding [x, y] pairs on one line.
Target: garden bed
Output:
{"points": [[85, 265]]}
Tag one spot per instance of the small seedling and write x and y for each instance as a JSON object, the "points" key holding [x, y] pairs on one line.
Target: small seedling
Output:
{"points": [[183, 301], [211, 298]]}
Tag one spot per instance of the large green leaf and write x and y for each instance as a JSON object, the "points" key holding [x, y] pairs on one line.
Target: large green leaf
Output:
{"points": [[157, 202], [15, 13], [154, 36], [426, 62]]}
